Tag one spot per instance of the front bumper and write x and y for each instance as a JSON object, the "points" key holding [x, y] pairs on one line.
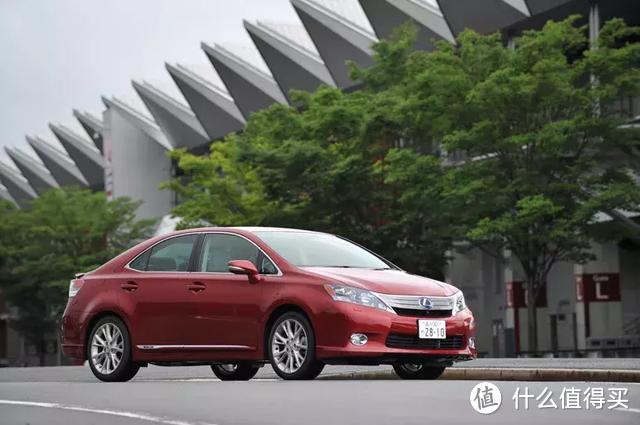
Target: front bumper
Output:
{"points": [[336, 327]]}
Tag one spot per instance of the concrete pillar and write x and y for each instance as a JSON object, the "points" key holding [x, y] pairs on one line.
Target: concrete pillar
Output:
{"points": [[513, 278], [630, 289], [561, 308], [136, 160], [517, 320], [474, 272]]}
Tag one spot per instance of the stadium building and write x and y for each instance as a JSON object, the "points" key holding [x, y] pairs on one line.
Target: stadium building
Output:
{"points": [[589, 309]]}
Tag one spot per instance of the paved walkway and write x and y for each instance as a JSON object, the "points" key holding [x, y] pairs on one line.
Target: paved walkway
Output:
{"points": [[83, 374]]}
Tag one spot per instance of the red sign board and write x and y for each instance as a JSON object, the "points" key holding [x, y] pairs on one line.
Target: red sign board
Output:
{"points": [[516, 292], [598, 287]]}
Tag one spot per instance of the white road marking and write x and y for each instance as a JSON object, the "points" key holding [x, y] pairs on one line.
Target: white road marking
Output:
{"points": [[120, 413], [632, 410]]}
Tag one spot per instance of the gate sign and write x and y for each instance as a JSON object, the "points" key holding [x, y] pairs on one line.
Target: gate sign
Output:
{"points": [[598, 287]]}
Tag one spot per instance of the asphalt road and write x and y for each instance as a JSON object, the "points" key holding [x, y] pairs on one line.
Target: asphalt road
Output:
{"points": [[192, 396]]}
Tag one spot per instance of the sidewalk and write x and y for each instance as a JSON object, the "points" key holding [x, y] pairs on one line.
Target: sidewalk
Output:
{"points": [[551, 363], [547, 369], [525, 369]]}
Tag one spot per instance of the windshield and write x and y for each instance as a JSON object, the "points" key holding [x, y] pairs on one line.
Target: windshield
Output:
{"points": [[308, 249]]}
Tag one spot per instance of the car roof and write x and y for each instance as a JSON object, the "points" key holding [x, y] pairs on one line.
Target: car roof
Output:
{"points": [[273, 229], [241, 229]]}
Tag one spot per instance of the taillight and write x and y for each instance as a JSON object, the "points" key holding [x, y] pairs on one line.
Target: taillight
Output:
{"points": [[74, 287]]}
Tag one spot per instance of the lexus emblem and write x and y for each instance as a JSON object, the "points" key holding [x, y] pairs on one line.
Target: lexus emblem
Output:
{"points": [[425, 303]]}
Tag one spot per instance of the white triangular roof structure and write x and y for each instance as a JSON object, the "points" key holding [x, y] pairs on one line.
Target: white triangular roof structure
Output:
{"points": [[36, 174], [176, 119], [139, 120], [60, 165]]}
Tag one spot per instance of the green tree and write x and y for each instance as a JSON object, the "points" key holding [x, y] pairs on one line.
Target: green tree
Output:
{"points": [[530, 137], [63, 232], [321, 166], [539, 128]]}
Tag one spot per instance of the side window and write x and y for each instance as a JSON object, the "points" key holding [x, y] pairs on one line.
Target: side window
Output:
{"points": [[170, 255], [218, 249], [140, 263]]}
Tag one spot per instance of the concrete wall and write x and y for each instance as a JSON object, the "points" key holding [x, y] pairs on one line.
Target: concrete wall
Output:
{"points": [[562, 324], [138, 164]]}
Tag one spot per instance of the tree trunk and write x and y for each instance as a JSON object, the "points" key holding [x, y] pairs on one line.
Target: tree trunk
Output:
{"points": [[532, 316], [42, 349]]}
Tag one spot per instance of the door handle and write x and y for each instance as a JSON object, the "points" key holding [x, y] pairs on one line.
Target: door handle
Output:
{"points": [[130, 286], [196, 287]]}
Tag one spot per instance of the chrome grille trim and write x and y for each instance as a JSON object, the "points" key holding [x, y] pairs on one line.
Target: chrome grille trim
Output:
{"points": [[413, 301]]}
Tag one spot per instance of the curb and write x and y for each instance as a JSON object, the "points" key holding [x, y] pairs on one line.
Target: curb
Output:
{"points": [[509, 374]]}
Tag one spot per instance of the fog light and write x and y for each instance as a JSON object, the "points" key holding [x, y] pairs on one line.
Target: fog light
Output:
{"points": [[359, 339], [472, 342]]}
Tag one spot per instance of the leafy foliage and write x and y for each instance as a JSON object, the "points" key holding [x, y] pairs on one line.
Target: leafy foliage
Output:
{"points": [[322, 165], [539, 129], [63, 232], [517, 149]]}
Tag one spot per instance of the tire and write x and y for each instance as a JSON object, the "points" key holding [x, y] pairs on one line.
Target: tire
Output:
{"points": [[119, 351], [418, 371], [293, 323], [235, 371]]}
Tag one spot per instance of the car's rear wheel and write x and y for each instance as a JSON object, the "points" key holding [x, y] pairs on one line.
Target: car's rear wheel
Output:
{"points": [[235, 371], [109, 351], [418, 371], [292, 347]]}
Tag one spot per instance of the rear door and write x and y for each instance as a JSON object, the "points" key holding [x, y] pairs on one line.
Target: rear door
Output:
{"points": [[157, 291], [229, 310]]}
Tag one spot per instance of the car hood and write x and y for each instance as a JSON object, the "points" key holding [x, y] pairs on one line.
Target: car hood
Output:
{"points": [[393, 282]]}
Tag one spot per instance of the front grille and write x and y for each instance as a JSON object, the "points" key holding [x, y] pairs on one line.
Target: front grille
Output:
{"points": [[418, 302], [453, 342], [421, 313]]}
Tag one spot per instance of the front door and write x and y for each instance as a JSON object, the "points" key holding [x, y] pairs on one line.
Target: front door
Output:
{"points": [[229, 307]]}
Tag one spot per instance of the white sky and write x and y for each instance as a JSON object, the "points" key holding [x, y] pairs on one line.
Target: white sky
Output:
{"points": [[56, 55]]}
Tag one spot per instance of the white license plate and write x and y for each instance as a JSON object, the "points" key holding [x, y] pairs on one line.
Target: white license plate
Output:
{"points": [[432, 329]]}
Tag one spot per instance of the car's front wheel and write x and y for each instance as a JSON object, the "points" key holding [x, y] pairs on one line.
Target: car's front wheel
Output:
{"points": [[235, 371], [292, 347], [418, 371], [109, 351]]}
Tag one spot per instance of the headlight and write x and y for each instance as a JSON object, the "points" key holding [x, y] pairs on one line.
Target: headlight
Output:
{"points": [[358, 296], [458, 303]]}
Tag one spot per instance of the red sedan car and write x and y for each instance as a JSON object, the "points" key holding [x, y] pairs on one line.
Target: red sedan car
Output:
{"points": [[237, 298]]}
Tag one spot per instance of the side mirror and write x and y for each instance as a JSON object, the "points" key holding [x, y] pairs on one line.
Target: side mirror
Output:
{"points": [[245, 267]]}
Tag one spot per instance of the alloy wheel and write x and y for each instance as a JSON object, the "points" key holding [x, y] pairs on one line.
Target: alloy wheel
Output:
{"points": [[230, 367], [107, 348], [412, 367], [289, 346]]}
